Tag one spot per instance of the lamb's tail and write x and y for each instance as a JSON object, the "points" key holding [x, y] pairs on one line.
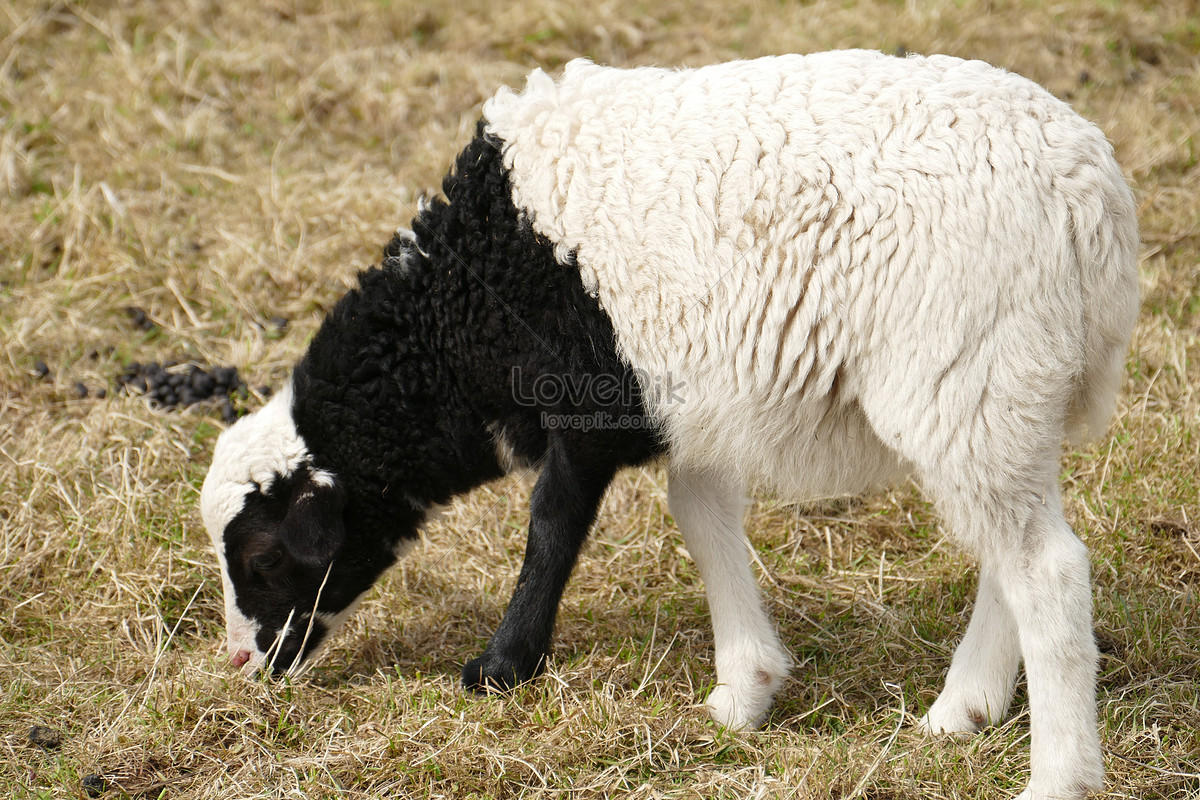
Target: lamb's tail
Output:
{"points": [[1104, 223]]}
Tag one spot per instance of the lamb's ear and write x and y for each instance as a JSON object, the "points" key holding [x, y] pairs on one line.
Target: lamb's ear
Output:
{"points": [[313, 529]]}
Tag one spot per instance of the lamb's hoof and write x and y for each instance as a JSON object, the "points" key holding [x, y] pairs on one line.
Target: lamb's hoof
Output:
{"points": [[727, 709], [496, 674], [1073, 779], [744, 704], [955, 719], [1079, 793]]}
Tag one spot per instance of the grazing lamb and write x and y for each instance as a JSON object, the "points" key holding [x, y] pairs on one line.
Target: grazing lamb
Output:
{"points": [[815, 273]]}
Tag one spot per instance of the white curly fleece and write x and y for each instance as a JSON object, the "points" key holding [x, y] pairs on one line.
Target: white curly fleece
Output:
{"points": [[803, 239]]}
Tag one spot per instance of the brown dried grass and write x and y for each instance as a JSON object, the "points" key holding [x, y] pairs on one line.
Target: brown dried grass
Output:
{"points": [[220, 166]]}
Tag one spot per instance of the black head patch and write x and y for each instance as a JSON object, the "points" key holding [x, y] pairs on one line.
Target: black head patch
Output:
{"points": [[286, 561]]}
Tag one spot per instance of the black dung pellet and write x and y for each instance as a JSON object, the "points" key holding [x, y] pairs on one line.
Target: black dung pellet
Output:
{"points": [[40, 369], [45, 738], [202, 384], [81, 390], [140, 319], [101, 393], [228, 413], [94, 785]]}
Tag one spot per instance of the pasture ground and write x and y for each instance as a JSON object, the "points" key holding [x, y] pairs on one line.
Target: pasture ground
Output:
{"points": [[220, 165]]}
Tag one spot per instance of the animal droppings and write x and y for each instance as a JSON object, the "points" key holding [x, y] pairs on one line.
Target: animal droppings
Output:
{"points": [[45, 738], [140, 319], [171, 385], [94, 785]]}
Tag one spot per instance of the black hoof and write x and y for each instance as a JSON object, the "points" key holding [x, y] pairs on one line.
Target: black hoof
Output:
{"points": [[494, 674]]}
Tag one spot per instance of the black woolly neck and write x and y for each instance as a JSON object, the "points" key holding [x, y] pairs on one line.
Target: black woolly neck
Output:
{"points": [[385, 397], [377, 403], [411, 374]]}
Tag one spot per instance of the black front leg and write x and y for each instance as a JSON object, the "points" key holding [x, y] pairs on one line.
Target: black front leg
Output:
{"points": [[564, 504]]}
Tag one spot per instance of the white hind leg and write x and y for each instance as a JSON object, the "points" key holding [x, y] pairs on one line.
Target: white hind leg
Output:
{"points": [[1047, 585], [1036, 575], [979, 685], [991, 467], [751, 662]]}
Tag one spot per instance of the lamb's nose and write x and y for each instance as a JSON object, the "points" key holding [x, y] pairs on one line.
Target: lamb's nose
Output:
{"points": [[239, 658]]}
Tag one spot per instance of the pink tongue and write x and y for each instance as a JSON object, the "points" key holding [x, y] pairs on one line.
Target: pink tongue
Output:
{"points": [[239, 658]]}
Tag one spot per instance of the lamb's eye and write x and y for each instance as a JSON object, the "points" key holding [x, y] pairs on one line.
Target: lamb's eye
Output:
{"points": [[265, 562]]}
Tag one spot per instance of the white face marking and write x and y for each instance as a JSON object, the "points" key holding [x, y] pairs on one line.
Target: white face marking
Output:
{"points": [[254, 451], [241, 632], [250, 455]]}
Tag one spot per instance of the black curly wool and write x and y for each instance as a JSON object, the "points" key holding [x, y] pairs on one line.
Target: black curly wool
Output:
{"points": [[470, 333]]}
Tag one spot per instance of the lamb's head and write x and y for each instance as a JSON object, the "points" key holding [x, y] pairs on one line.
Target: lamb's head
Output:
{"points": [[277, 524]]}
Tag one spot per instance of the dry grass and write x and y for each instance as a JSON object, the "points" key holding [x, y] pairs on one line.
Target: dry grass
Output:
{"points": [[221, 167]]}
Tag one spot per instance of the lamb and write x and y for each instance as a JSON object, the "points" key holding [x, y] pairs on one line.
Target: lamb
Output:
{"points": [[815, 273]]}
